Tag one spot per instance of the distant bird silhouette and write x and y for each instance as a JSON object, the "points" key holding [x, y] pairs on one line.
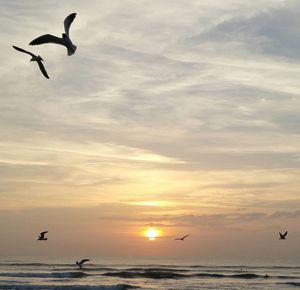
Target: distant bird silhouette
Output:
{"points": [[38, 59], [81, 263], [42, 236], [181, 239], [283, 236], [65, 40]]}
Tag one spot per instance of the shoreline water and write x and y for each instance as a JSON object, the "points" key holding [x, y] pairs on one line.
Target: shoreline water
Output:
{"points": [[22, 275]]}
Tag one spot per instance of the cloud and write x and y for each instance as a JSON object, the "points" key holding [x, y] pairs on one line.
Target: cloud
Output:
{"points": [[285, 214], [162, 99], [272, 31]]}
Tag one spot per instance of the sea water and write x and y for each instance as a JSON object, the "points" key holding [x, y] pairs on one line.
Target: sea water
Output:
{"points": [[137, 274]]}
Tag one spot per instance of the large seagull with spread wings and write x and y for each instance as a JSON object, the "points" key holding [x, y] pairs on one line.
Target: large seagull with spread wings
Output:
{"points": [[64, 40]]}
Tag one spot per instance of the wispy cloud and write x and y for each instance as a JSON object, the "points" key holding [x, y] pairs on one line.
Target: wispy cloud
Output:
{"points": [[192, 104]]}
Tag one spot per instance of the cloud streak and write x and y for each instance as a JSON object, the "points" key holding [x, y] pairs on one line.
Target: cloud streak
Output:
{"points": [[194, 105]]}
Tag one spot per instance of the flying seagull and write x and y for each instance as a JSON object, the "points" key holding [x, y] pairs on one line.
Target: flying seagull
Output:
{"points": [[81, 263], [42, 236], [283, 236], [181, 239], [65, 40], [38, 59]]}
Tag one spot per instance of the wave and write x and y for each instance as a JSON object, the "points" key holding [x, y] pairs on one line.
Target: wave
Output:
{"points": [[245, 267], [208, 275], [67, 287], [296, 284], [156, 269], [77, 274], [50, 265], [157, 273], [287, 277], [175, 275], [240, 276], [85, 269], [150, 273], [24, 264], [245, 276], [146, 274]]}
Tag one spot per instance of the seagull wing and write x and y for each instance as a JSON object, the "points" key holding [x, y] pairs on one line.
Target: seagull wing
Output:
{"points": [[83, 261], [22, 50], [68, 21], [44, 72], [284, 235], [47, 38], [185, 236]]}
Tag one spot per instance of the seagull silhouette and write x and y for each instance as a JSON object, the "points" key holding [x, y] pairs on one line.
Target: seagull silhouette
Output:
{"points": [[283, 236], [181, 239], [81, 263], [38, 59], [42, 236], [64, 40]]}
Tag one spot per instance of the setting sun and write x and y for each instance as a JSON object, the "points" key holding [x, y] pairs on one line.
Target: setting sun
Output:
{"points": [[152, 233]]}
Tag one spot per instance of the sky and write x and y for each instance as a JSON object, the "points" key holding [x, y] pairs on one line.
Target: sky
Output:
{"points": [[182, 116]]}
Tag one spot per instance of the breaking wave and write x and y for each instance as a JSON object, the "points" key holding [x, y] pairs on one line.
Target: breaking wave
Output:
{"points": [[77, 274], [240, 276], [146, 274], [67, 287], [296, 284]]}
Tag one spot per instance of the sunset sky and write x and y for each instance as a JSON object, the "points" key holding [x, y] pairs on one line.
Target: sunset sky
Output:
{"points": [[183, 116]]}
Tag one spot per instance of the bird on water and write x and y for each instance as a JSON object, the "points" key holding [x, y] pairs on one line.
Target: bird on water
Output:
{"points": [[79, 264]]}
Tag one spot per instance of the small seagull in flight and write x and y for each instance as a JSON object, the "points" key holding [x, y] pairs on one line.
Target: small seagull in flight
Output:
{"points": [[181, 239], [64, 40], [81, 263], [42, 236], [283, 236], [38, 59]]}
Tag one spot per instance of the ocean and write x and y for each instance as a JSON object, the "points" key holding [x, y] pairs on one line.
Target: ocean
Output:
{"points": [[31, 275]]}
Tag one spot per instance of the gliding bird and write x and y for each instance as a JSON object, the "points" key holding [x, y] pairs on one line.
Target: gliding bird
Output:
{"points": [[64, 40], [38, 59], [181, 239]]}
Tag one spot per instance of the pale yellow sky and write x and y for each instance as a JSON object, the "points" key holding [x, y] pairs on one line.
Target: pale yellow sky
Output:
{"points": [[177, 115]]}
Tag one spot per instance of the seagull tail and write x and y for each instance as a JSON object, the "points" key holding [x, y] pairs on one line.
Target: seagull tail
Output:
{"points": [[72, 50]]}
